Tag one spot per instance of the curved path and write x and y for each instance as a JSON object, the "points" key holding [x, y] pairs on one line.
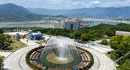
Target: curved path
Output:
{"points": [[16, 61], [101, 61]]}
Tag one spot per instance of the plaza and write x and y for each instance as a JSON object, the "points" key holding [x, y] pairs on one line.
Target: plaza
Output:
{"points": [[11, 62]]}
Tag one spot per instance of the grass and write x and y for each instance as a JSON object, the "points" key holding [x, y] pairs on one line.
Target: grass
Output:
{"points": [[42, 41], [16, 45]]}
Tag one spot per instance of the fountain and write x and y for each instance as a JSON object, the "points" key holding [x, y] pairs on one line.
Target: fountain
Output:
{"points": [[60, 52], [61, 47]]}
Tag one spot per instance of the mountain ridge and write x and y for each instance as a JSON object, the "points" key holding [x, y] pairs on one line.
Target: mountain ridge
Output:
{"points": [[99, 12], [11, 9], [12, 12]]}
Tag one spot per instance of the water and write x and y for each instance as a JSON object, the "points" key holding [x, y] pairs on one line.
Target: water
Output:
{"points": [[61, 47]]}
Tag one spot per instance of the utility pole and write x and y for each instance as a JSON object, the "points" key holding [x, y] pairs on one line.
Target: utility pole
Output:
{"points": [[121, 19], [23, 21], [106, 19]]}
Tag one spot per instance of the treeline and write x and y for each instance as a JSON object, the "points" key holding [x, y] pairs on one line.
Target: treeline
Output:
{"points": [[87, 33], [84, 34]]}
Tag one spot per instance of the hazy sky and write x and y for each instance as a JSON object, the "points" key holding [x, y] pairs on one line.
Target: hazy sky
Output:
{"points": [[68, 4]]}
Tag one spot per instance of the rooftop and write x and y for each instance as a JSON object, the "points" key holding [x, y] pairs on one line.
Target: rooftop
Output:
{"points": [[123, 32]]}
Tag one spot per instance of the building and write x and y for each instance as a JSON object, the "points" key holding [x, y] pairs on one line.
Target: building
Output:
{"points": [[124, 33], [72, 25], [36, 36]]}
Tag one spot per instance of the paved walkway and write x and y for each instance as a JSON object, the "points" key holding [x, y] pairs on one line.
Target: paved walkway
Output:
{"points": [[101, 61], [5, 54], [16, 61], [30, 42]]}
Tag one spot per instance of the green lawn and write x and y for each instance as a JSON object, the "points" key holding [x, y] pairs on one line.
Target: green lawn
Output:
{"points": [[42, 41], [16, 45]]}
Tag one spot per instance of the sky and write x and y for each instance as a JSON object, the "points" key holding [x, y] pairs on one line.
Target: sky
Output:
{"points": [[68, 4]]}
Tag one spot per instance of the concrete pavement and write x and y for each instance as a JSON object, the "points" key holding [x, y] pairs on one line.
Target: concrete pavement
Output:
{"points": [[101, 61], [5, 54], [30, 42], [16, 61]]}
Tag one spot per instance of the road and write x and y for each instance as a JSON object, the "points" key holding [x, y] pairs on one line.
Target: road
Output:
{"points": [[43, 24], [106, 20]]}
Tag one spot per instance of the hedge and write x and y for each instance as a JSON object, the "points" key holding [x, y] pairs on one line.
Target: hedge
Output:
{"points": [[33, 66], [1, 62], [90, 63]]}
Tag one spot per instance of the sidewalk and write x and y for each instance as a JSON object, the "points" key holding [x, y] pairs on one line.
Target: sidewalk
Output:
{"points": [[30, 42], [5, 54]]}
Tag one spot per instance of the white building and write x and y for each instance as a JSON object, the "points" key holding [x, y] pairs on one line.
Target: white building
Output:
{"points": [[124, 33]]}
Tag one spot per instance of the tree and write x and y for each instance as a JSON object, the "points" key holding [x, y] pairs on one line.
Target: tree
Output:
{"points": [[71, 35], [1, 62], [76, 34], [110, 32], [4, 38], [1, 31], [104, 42], [84, 37], [115, 41], [122, 47], [125, 65]]}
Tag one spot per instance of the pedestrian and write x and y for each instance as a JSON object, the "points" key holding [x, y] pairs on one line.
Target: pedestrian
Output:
{"points": [[27, 40]]}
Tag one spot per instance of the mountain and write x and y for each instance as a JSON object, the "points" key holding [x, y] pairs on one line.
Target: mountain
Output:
{"points": [[97, 12], [12, 9], [12, 12], [46, 11]]}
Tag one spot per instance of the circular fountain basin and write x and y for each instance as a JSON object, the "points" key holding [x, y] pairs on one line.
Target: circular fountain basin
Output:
{"points": [[52, 58], [49, 59], [61, 52]]}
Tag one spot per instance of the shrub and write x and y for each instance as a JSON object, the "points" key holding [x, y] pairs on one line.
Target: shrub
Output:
{"points": [[91, 62], [28, 60], [1, 62], [104, 42]]}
